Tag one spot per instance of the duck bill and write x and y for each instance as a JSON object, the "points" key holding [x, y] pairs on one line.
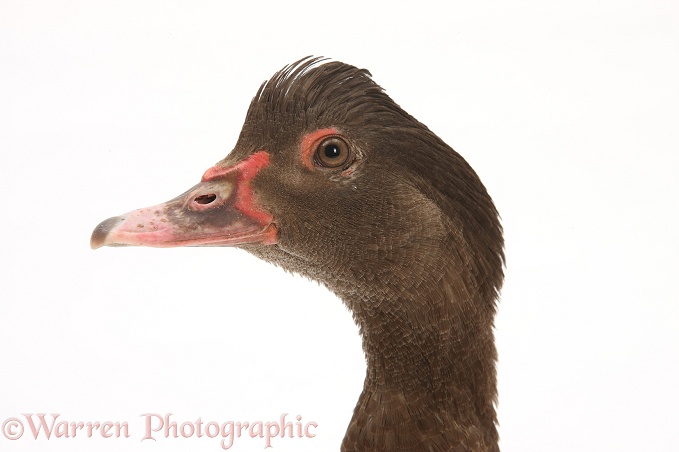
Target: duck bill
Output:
{"points": [[219, 211]]}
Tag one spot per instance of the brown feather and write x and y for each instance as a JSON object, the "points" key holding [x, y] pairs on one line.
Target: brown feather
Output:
{"points": [[411, 242]]}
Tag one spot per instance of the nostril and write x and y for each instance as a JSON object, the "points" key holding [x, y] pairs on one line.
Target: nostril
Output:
{"points": [[205, 199]]}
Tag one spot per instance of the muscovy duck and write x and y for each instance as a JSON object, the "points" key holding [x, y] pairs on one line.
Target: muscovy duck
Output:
{"points": [[331, 179]]}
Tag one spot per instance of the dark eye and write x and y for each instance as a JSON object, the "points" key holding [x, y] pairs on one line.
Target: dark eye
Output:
{"points": [[332, 152]]}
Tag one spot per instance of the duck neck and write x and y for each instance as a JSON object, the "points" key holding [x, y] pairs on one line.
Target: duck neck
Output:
{"points": [[430, 353]]}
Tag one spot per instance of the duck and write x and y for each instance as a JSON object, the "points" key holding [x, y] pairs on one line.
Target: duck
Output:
{"points": [[332, 179]]}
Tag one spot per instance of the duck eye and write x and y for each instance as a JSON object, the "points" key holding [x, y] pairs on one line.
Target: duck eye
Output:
{"points": [[332, 152]]}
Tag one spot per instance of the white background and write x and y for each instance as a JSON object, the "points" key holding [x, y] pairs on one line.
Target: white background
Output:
{"points": [[567, 110]]}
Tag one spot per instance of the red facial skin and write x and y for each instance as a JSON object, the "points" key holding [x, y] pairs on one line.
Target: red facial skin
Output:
{"points": [[310, 142], [245, 172]]}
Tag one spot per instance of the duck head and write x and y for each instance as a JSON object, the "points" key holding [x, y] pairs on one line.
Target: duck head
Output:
{"points": [[331, 179]]}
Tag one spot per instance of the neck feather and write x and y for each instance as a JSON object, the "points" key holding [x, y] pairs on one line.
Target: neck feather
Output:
{"points": [[430, 363]]}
